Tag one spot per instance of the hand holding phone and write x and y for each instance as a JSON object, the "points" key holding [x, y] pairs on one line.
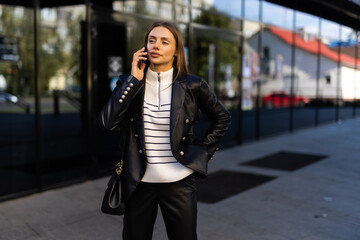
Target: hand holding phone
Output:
{"points": [[139, 59], [141, 62]]}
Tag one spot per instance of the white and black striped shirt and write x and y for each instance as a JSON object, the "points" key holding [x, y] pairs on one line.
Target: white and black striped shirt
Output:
{"points": [[161, 164]]}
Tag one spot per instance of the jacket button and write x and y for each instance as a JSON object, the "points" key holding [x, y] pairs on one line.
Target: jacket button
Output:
{"points": [[128, 89], [140, 151], [126, 92], [187, 121], [183, 138], [123, 96], [136, 135], [131, 119], [131, 84], [120, 100], [181, 153]]}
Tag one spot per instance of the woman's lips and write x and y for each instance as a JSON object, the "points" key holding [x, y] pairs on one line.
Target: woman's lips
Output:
{"points": [[155, 54]]}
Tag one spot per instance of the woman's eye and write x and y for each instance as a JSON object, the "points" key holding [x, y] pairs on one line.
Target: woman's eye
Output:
{"points": [[165, 43], [151, 41]]}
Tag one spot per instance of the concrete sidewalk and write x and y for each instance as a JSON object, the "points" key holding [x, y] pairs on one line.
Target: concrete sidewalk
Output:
{"points": [[319, 201]]}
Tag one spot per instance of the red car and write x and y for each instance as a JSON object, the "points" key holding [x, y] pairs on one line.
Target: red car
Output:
{"points": [[281, 99]]}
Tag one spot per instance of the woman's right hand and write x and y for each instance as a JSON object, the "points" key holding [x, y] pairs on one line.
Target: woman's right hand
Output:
{"points": [[135, 70]]}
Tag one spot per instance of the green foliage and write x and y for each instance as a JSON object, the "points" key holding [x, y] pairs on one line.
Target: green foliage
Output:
{"points": [[53, 54], [226, 52], [213, 17]]}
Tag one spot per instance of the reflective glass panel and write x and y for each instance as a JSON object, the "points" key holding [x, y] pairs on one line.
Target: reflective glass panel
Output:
{"points": [[275, 74], [153, 8], [357, 75], [252, 9], [216, 60], [63, 141], [182, 13], [250, 69], [348, 70], [329, 72], [221, 14], [305, 81], [18, 166]]}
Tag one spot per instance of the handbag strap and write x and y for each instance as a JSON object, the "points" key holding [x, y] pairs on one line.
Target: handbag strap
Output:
{"points": [[119, 167]]}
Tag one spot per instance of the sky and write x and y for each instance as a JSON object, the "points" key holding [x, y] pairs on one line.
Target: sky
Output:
{"points": [[283, 17]]}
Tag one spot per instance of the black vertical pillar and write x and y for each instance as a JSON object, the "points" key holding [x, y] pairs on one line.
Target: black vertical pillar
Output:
{"points": [[90, 120], [317, 102], [292, 79], [36, 6], [355, 77], [338, 80], [241, 53], [258, 80], [190, 39]]}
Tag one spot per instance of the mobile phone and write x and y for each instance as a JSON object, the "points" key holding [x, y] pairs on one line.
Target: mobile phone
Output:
{"points": [[140, 63]]}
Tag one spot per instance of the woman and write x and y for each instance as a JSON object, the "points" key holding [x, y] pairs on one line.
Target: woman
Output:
{"points": [[156, 107]]}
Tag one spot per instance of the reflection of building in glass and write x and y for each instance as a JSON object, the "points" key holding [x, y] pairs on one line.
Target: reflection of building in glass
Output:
{"points": [[276, 65], [244, 49]]}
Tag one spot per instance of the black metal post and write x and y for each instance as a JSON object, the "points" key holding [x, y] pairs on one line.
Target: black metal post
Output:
{"points": [[90, 123], [317, 102], [338, 80], [356, 68], [292, 79], [36, 6], [190, 39], [56, 96], [241, 53], [258, 80]]}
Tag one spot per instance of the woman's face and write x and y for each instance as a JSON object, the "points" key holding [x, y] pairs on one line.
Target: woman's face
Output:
{"points": [[161, 48]]}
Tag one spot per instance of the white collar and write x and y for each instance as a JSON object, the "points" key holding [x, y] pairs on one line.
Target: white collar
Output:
{"points": [[166, 78]]}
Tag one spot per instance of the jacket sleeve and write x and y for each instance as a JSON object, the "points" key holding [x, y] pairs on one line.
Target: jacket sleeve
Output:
{"points": [[218, 115], [113, 112]]}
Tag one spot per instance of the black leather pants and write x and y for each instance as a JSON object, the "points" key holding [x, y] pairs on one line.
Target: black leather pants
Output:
{"points": [[178, 206]]}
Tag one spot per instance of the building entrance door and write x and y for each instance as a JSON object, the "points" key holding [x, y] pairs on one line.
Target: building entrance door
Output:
{"points": [[215, 58]]}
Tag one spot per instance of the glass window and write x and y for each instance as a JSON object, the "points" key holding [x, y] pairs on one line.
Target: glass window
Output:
{"points": [[275, 79], [329, 71], [162, 9], [221, 14], [63, 141], [216, 60], [277, 15], [229, 7], [346, 91], [305, 81], [357, 75], [182, 2], [17, 129], [252, 10], [158, 9], [182, 13], [250, 68]]}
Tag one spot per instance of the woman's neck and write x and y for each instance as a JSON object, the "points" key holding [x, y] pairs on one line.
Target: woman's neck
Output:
{"points": [[160, 68]]}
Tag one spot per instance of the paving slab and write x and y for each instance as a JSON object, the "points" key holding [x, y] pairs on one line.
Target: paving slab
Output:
{"points": [[317, 202]]}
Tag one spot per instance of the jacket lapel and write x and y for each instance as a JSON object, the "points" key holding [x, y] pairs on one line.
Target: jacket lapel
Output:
{"points": [[137, 109], [177, 101]]}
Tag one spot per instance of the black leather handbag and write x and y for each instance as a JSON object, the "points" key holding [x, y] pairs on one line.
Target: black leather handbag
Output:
{"points": [[112, 201]]}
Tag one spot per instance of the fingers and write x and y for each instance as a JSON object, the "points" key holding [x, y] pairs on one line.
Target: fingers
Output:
{"points": [[138, 64], [139, 55]]}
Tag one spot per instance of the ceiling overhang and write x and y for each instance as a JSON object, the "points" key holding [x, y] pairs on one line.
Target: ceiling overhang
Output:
{"points": [[344, 12]]}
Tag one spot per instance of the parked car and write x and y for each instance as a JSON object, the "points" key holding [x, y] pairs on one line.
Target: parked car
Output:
{"points": [[282, 99], [12, 99]]}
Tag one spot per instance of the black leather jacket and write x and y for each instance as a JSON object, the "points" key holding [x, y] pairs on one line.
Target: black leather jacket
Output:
{"points": [[124, 113]]}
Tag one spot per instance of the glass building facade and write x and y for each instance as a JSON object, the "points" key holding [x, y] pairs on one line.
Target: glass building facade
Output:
{"points": [[275, 68]]}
